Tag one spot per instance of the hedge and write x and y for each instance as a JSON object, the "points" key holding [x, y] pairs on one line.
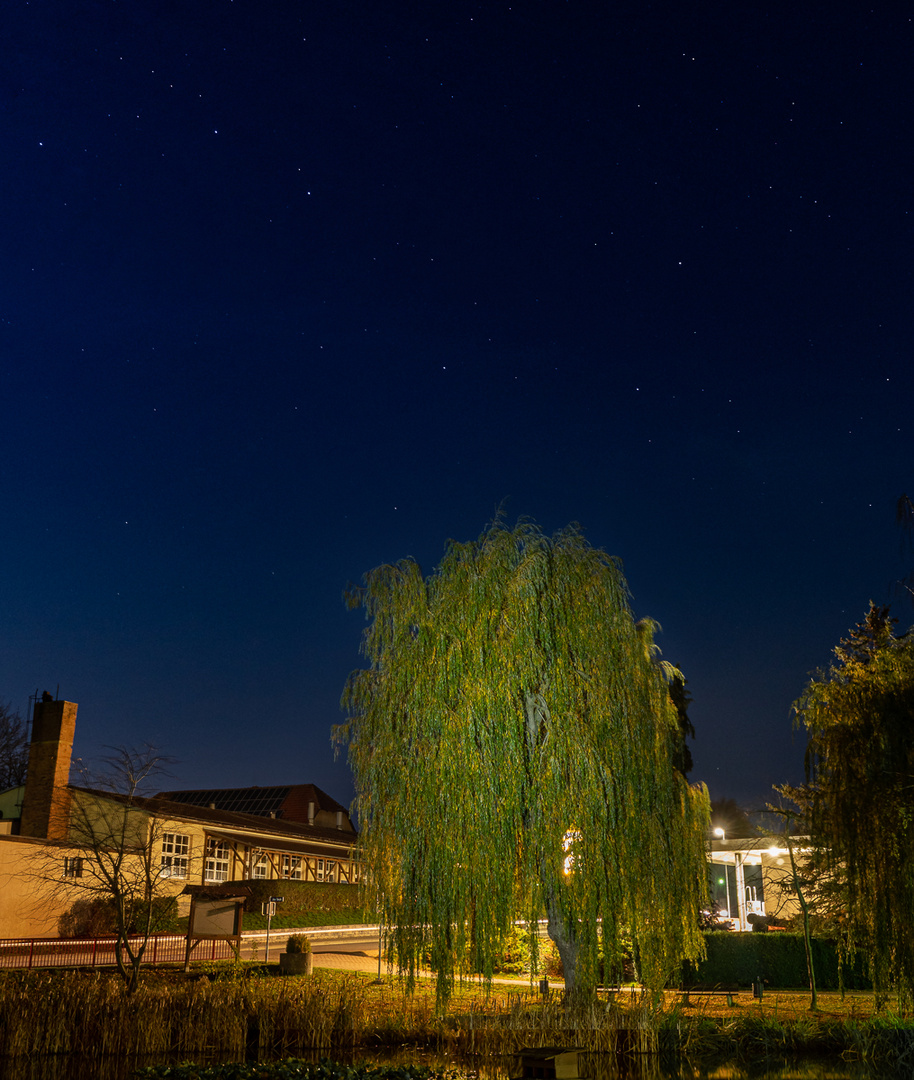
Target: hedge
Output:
{"points": [[778, 959], [307, 903]]}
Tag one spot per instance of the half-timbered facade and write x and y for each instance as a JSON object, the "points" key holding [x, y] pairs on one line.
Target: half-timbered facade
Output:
{"points": [[188, 838]]}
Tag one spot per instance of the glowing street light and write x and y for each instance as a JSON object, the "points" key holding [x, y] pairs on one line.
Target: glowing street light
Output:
{"points": [[726, 882]]}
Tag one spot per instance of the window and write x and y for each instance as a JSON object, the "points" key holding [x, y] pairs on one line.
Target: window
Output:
{"points": [[260, 866], [72, 866], [216, 861], [175, 855], [291, 867], [326, 870]]}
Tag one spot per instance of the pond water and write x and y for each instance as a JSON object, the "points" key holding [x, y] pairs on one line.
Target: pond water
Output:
{"points": [[591, 1067]]}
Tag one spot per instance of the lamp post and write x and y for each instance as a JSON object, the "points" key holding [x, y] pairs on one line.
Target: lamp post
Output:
{"points": [[723, 836]]}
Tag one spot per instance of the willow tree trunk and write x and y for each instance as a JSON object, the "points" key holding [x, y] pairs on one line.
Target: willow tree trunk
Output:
{"points": [[565, 940]]}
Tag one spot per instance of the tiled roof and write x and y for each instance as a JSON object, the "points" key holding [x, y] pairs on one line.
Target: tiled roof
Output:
{"points": [[206, 815]]}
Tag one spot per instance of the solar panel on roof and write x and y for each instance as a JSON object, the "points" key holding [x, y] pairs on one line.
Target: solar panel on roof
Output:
{"points": [[260, 801]]}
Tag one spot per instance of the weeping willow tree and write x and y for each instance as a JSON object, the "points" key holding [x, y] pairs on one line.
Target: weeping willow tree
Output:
{"points": [[859, 718], [513, 745]]}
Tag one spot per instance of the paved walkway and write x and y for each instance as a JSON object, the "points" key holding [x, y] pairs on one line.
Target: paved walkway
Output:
{"points": [[348, 961], [360, 959]]}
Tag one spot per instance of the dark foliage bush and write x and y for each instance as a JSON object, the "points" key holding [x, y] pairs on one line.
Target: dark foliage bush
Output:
{"points": [[308, 897], [778, 959], [298, 943], [94, 917]]}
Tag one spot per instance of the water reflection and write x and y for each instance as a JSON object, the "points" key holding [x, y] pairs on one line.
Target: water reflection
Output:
{"points": [[591, 1067]]}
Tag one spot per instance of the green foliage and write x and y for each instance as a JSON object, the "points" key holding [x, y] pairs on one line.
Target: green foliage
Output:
{"points": [[306, 903], [859, 718], [513, 707], [615, 970], [778, 959], [255, 921], [514, 958], [298, 943]]}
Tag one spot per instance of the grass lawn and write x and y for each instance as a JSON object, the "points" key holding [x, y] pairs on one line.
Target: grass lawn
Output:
{"points": [[782, 1004]]}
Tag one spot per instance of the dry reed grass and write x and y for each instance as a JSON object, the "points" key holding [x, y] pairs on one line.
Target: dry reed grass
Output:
{"points": [[241, 1014], [238, 1014]]}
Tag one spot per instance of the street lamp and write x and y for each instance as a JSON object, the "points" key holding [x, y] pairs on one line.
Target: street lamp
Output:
{"points": [[720, 832]]}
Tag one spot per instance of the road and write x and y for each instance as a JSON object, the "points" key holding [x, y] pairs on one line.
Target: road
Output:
{"points": [[351, 947]]}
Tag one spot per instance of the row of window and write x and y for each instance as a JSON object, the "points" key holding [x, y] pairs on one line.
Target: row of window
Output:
{"points": [[175, 863], [217, 859]]}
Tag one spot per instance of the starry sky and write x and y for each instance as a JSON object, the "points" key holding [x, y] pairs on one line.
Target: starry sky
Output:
{"points": [[290, 290]]}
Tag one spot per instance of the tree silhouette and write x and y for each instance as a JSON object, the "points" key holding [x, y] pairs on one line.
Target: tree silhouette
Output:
{"points": [[14, 748], [859, 719]]}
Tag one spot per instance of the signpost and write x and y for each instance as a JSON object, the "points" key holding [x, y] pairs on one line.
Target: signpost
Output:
{"points": [[269, 909]]}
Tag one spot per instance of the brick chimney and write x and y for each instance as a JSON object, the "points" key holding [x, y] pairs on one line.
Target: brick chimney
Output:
{"points": [[46, 801]]}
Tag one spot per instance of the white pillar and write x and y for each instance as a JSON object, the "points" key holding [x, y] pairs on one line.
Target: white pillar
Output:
{"points": [[741, 892]]}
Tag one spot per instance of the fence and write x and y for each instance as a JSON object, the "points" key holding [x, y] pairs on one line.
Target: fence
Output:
{"points": [[100, 952]]}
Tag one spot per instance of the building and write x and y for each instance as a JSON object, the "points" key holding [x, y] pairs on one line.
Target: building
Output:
{"points": [[302, 803], [751, 878], [51, 832]]}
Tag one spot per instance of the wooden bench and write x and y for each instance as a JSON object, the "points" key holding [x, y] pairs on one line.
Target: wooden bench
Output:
{"points": [[729, 995]]}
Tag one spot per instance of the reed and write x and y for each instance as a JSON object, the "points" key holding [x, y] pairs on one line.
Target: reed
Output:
{"points": [[243, 1014], [882, 1038], [239, 1013]]}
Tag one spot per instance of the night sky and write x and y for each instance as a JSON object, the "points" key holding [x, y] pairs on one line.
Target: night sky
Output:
{"points": [[288, 290]]}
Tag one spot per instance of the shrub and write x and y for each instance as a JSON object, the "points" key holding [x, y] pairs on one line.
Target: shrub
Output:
{"points": [[553, 968], [778, 959], [619, 969], [308, 903], [87, 919], [514, 958], [298, 943], [95, 917]]}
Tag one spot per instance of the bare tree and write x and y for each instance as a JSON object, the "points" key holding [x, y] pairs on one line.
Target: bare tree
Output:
{"points": [[14, 748], [120, 866], [798, 881]]}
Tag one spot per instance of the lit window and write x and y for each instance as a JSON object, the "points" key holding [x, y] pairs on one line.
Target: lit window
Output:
{"points": [[72, 866], [216, 862], [175, 855], [291, 867]]}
